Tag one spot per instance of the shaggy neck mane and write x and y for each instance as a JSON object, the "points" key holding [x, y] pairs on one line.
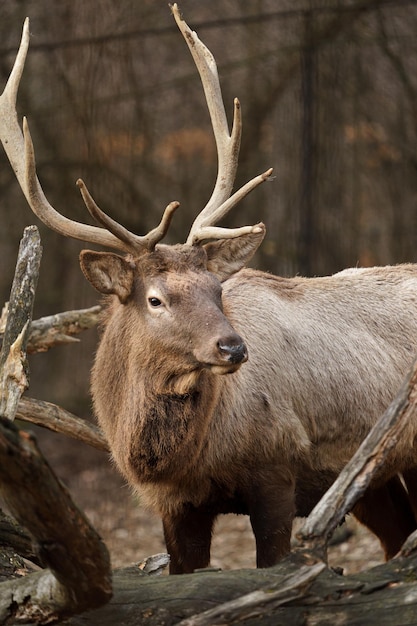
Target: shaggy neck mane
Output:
{"points": [[170, 427]]}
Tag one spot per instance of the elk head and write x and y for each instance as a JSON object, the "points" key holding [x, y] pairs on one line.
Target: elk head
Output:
{"points": [[164, 283]]}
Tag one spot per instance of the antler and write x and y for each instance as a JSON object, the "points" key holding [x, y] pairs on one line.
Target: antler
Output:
{"points": [[133, 242], [228, 145], [20, 151]]}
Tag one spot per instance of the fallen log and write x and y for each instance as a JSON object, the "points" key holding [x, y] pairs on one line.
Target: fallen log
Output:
{"points": [[296, 592]]}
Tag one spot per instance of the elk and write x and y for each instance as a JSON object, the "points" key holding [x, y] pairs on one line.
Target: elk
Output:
{"points": [[225, 389]]}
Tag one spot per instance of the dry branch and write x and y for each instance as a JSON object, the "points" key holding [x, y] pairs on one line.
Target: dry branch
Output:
{"points": [[13, 367], [61, 421], [55, 330], [362, 468]]}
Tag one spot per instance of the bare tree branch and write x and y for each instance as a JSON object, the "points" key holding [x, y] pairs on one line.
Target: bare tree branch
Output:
{"points": [[362, 468], [61, 421], [55, 330]]}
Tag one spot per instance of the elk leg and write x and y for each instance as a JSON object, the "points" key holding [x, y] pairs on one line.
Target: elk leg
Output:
{"points": [[272, 509], [188, 539], [387, 512]]}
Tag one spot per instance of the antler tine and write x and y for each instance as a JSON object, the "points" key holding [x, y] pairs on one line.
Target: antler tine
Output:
{"points": [[49, 216], [134, 243], [214, 232], [19, 149], [228, 145]]}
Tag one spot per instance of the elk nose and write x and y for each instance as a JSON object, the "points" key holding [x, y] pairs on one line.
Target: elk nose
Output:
{"points": [[233, 353]]}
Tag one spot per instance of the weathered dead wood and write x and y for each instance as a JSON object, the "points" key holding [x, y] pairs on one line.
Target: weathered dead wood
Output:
{"points": [[383, 596], [44, 334], [13, 366], [256, 603], [15, 546], [55, 330], [13, 535], [61, 421], [364, 465], [79, 574]]}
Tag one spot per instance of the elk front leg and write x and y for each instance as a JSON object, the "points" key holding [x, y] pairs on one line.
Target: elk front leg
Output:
{"points": [[271, 505], [188, 539]]}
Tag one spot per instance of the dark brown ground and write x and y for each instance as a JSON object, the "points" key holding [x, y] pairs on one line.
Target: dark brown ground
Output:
{"points": [[132, 533]]}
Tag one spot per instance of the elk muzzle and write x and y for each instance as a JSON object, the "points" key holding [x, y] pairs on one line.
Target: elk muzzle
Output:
{"points": [[228, 354], [235, 353]]}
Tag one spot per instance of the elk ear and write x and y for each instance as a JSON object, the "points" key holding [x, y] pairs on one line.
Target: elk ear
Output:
{"points": [[228, 256], [108, 273]]}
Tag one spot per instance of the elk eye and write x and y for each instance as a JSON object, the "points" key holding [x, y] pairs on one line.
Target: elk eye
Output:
{"points": [[154, 302]]}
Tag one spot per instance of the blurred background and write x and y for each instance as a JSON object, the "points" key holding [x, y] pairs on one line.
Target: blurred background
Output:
{"points": [[329, 99]]}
